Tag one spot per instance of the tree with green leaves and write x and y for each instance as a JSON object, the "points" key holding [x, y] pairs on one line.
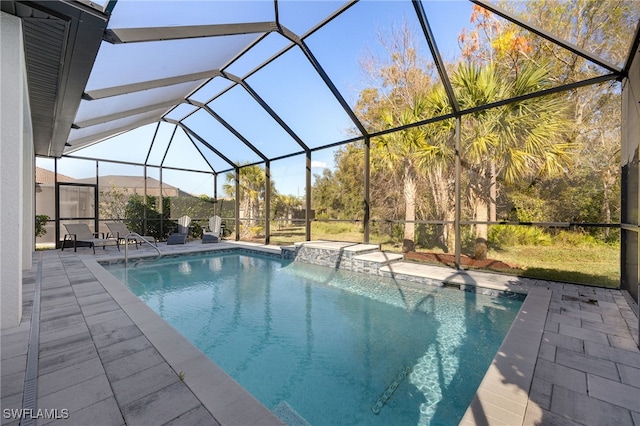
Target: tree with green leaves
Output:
{"points": [[113, 203], [406, 154], [518, 141], [158, 224], [603, 29], [283, 206], [252, 181], [404, 78]]}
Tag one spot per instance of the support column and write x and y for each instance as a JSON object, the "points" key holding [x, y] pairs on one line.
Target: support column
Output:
{"points": [[267, 201], [145, 215], [630, 179], [96, 200], [458, 201], [237, 203], [17, 180], [307, 213], [367, 177]]}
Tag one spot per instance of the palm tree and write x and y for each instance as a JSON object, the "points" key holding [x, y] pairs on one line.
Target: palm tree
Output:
{"points": [[252, 194], [523, 139], [401, 152], [440, 161], [416, 152]]}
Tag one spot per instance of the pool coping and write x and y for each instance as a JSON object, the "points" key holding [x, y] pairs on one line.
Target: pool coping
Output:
{"points": [[502, 396]]}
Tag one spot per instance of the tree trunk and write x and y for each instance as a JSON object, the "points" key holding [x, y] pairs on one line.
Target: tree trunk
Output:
{"points": [[441, 195], [608, 181], [493, 192], [410, 210], [450, 232], [481, 213]]}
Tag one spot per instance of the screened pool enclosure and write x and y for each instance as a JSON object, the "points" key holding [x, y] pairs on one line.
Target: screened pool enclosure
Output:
{"points": [[476, 130]]}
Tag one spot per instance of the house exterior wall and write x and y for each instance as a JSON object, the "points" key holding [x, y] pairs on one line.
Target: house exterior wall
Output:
{"points": [[16, 184], [28, 163]]}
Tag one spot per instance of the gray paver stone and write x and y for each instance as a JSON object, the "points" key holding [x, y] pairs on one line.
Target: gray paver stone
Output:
{"points": [[62, 333], [571, 343], [13, 365], [620, 356], [584, 334], [131, 364], [558, 374], [106, 412], [63, 322], [11, 402], [625, 343], [161, 406], [145, 382], [12, 384], [629, 375], [66, 359], [69, 376], [107, 321], [536, 416], [586, 410], [100, 308], [54, 313], [79, 396], [587, 364], [614, 392], [66, 343], [540, 392], [114, 336], [196, 417], [126, 347], [547, 352]]}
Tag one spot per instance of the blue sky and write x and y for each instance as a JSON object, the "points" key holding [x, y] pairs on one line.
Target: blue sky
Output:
{"points": [[289, 85]]}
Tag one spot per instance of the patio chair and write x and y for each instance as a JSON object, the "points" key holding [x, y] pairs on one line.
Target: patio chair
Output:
{"points": [[212, 234], [80, 233], [119, 231], [184, 225]]}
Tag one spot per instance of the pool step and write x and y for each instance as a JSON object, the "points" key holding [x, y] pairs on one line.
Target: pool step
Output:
{"points": [[371, 263], [288, 415], [357, 257]]}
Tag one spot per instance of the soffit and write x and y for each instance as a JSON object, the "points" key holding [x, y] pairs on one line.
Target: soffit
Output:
{"points": [[60, 43]]}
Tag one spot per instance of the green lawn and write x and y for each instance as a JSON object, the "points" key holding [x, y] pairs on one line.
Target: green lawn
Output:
{"points": [[592, 264], [589, 264]]}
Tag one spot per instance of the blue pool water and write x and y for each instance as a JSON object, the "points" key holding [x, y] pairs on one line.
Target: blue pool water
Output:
{"points": [[333, 345]]}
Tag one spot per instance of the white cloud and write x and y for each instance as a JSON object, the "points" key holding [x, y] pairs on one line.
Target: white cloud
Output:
{"points": [[318, 164]]}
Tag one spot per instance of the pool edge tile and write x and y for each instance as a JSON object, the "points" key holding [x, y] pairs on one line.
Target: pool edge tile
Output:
{"points": [[509, 369]]}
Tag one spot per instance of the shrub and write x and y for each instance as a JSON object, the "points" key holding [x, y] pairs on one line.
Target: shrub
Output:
{"points": [[41, 222], [579, 239], [256, 231], [334, 228], [505, 235], [196, 230]]}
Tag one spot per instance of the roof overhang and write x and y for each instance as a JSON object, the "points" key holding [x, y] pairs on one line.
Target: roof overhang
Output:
{"points": [[61, 41]]}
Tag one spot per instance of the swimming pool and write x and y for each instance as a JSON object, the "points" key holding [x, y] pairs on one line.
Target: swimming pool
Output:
{"points": [[337, 347]]}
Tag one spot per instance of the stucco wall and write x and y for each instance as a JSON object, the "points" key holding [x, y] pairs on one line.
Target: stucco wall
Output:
{"points": [[28, 199], [12, 151]]}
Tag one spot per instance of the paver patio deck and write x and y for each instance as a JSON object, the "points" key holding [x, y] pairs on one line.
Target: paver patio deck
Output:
{"points": [[571, 357]]}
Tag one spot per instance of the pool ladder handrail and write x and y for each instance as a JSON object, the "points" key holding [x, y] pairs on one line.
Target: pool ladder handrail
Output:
{"points": [[126, 246]]}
